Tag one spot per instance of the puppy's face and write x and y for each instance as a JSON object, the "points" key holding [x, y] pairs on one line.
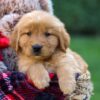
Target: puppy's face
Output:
{"points": [[39, 34], [37, 41]]}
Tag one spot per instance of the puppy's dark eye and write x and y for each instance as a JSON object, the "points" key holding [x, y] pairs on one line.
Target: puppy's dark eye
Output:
{"points": [[29, 33], [47, 34]]}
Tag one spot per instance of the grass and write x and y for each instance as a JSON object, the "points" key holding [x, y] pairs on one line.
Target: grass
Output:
{"points": [[89, 49]]}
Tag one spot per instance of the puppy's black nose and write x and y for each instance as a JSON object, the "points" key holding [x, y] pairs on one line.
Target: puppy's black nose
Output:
{"points": [[36, 49]]}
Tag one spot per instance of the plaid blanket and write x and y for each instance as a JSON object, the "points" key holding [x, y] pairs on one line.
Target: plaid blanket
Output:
{"points": [[14, 86]]}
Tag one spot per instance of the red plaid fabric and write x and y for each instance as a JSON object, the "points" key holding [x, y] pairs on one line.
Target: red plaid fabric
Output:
{"points": [[14, 86]]}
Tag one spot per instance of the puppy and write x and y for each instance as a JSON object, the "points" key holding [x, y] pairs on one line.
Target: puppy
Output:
{"points": [[42, 45]]}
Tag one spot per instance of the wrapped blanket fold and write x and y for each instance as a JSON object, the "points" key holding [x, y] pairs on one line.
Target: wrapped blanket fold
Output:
{"points": [[15, 85]]}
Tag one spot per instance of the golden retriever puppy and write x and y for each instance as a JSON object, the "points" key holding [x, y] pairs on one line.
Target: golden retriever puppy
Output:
{"points": [[41, 42]]}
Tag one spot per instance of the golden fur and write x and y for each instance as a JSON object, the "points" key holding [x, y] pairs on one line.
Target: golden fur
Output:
{"points": [[55, 54]]}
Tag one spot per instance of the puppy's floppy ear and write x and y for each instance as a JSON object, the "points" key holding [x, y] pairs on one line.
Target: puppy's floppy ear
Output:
{"points": [[15, 40], [64, 39]]}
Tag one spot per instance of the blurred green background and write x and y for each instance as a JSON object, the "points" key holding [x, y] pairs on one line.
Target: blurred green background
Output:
{"points": [[82, 20]]}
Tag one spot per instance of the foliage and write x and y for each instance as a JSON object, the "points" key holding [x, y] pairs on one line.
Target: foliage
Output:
{"points": [[79, 15], [89, 49]]}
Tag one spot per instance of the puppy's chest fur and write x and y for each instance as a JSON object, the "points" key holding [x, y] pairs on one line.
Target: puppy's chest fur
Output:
{"points": [[24, 63], [57, 60]]}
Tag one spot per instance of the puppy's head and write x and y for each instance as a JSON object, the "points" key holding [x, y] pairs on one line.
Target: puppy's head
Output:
{"points": [[39, 34]]}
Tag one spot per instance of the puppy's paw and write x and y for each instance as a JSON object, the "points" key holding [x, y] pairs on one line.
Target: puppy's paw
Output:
{"points": [[67, 87], [41, 81]]}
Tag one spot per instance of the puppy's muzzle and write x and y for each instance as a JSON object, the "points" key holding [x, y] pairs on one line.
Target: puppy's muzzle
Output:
{"points": [[36, 49]]}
